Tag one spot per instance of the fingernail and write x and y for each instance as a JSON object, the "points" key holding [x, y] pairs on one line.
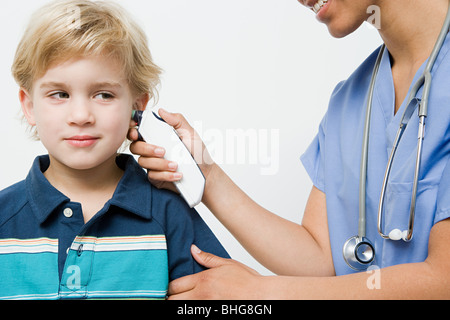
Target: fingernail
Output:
{"points": [[195, 249], [173, 165], [177, 175], [160, 151]]}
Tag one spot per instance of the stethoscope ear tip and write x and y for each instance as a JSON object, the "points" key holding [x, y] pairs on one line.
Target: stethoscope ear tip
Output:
{"points": [[397, 234]]}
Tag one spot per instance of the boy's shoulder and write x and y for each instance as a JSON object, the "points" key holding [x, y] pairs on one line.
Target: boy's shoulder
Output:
{"points": [[136, 191], [13, 194], [12, 200], [165, 202]]}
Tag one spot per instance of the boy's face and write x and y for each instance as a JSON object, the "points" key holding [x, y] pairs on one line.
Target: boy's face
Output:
{"points": [[82, 110]]}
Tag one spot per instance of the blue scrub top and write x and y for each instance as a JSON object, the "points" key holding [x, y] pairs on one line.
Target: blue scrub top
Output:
{"points": [[333, 162]]}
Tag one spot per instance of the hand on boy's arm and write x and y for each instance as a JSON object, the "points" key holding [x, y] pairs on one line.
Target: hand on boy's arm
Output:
{"points": [[226, 279]]}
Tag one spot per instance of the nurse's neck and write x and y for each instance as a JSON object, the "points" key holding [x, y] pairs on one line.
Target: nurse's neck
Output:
{"points": [[409, 28]]}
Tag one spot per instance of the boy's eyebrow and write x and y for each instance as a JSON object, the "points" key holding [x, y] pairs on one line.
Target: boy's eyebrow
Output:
{"points": [[51, 84], [102, 84], [106, 84]]}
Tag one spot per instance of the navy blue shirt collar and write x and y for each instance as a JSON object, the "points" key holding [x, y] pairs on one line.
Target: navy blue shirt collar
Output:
{"points": [[133, 193]]}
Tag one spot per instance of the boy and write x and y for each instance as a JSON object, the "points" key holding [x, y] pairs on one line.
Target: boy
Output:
{"points": [[86, 223]]}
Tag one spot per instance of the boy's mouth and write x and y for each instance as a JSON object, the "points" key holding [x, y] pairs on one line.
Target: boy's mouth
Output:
{"points": [[82, 141]]}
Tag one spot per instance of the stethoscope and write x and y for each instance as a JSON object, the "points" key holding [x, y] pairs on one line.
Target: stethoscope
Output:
{"points": [[358, 251]]}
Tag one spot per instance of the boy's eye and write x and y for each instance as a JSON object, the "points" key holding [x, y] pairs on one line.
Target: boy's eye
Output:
{"points": [[104, 96], [60, 95]]}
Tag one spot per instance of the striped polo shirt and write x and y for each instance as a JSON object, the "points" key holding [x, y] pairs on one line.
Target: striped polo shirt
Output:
{"points": [[131, 248]]}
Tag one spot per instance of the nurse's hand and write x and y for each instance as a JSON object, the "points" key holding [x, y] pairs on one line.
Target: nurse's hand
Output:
{"points": [[226, 279], [161, 172]]}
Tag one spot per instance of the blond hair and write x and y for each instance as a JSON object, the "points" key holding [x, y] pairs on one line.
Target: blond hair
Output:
{"points": [[66, 29]]}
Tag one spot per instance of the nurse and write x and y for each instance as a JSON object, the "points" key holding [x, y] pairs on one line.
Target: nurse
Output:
{"points": [[308, 258]]}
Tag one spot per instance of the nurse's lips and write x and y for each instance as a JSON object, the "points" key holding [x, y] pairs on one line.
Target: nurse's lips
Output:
{"points": [[82, 141], [308, 3], [314, 5]]}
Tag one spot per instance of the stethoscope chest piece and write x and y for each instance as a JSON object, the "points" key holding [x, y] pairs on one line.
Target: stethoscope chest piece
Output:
{"points": [[359, 253]]}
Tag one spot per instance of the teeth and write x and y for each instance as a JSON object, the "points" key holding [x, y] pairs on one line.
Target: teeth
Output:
{"points": [[318, 5]]}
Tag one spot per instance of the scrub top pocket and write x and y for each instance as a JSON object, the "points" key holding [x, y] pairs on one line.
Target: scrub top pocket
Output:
{"points": [[396, 216], [397, 204]]}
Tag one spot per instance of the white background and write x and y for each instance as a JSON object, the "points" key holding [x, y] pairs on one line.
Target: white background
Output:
{"points": [[238, 64]]}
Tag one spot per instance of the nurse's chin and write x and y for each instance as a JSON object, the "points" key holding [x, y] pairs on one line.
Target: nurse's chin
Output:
{"points": [[341, 29]]}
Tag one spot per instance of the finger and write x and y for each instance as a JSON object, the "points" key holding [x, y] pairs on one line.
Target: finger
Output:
{"points": [[142, 148], [182, 285], [181, 296], [208, 260], [133, 134], [164, 176], [157, 164]]}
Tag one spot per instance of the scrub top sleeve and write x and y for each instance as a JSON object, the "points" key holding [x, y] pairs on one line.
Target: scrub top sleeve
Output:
{"points": [[443, 198], [313, 158]]}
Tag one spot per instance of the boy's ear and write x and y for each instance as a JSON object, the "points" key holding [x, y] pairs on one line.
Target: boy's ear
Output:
{"points": [[27, 106], [141, 102]]}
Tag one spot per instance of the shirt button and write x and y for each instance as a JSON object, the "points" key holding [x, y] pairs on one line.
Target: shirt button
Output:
{"points": [[80, 250], [68, 213]]}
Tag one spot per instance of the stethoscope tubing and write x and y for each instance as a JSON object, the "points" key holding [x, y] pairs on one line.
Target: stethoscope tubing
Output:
{"points": [[350, 249], [425, 82], [365, 149]]}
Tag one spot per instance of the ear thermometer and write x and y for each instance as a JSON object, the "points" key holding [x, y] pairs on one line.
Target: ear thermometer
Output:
{"points": [[153, 129]]}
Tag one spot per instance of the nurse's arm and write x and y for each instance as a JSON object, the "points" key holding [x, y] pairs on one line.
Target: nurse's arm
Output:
{"points": [[228, 279], [426, 280], [282, 246]]}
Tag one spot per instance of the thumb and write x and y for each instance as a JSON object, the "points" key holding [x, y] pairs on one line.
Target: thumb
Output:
{"points": [[188, 135], [206, 259], [176, 120]]}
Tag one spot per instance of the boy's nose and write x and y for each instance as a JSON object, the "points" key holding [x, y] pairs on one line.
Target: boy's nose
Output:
{"points": [[81, 113]]}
